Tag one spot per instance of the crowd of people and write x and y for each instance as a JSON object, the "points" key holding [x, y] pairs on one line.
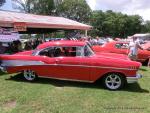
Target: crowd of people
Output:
{"points": [[18, 46], [32, 44]]}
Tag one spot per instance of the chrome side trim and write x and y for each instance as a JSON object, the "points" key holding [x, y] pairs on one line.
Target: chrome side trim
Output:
{"points": [[90, 66], [21, 63], [32, 63], [67, 79], [133, 79]]}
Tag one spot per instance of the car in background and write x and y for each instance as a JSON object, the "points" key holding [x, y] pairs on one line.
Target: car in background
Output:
{"points": [[121, 47], [75, 61], [146, 45]]}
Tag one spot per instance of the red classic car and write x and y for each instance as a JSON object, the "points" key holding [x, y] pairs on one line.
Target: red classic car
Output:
{"points": [[121, 47], [72, 60]]}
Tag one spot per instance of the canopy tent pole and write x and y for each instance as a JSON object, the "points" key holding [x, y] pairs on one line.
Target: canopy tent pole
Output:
{"points": [[43, 37], [86, 33]]}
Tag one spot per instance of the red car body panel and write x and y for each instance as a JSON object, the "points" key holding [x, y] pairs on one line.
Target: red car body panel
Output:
{"points": [[110, 47], [74, 68]]}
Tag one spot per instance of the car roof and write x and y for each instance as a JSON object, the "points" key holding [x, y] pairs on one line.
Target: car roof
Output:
{"points": [[61, 43]]}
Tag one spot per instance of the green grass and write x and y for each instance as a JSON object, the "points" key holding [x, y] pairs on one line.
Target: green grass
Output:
{"points": [[54, 96]]}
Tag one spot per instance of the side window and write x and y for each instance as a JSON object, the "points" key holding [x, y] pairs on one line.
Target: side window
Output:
{"points": [[51, 52], [118, 46], [47, 52], [122, 46], [71, 51], [87, 51], [61, 51]]}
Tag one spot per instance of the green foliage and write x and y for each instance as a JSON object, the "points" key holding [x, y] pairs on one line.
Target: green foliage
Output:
{"points": [[44, 7], [74, 9], [114, 24], [146, 27]]}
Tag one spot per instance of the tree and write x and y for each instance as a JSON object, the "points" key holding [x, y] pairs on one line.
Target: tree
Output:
{"points": [[114, 24], [44, 7], [96, 20], [2, 2], [24, 5], [146, 27], [74, 9]]}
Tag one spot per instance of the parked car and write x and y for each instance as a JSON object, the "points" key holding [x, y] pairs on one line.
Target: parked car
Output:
{"points": [[146, 45], [72, 60], [121, 47]]}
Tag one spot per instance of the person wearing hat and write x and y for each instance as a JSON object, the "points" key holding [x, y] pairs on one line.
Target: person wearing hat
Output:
{"points": [[134, 45]]}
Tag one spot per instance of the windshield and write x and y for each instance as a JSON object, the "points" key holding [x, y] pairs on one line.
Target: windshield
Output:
{"points": [[34, 52]]}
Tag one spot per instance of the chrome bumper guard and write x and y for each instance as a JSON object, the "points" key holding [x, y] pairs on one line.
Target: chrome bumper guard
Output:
{"points": [[133, 79]]}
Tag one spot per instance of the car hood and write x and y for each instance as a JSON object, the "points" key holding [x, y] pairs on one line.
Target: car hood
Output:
{"points": [[111, 55]]}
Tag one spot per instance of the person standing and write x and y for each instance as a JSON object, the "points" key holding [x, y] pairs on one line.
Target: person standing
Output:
{"points": [[134, 45], [2, 48]]}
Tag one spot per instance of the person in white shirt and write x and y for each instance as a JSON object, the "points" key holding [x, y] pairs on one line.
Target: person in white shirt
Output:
{"points": [[133, 48]]}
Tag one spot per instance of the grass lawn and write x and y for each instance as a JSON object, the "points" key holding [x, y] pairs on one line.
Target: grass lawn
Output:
{"points": [[54, 96]]}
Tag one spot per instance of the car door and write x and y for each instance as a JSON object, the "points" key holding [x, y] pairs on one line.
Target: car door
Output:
{"points": [[77, 68], [74, 67], [50, 67]]}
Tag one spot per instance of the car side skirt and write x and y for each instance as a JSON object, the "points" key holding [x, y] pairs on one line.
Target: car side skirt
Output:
{"points": [[67, 79]]}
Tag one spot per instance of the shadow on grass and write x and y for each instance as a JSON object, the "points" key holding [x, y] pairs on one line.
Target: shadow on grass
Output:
{"points": [[55, 82], [2, 73], [135, 87], [61, 83]]}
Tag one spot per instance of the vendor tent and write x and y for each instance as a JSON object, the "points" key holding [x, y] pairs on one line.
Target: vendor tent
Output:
{"points": [[145, 36], [34, 23]]}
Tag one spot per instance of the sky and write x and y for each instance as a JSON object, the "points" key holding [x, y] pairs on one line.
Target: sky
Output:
{"points": [[130, 7], [7, 5]]}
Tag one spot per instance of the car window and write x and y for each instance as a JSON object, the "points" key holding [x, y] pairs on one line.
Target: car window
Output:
{"points": [[61, 51], [88, 51], [122, 45], [47, 52]]}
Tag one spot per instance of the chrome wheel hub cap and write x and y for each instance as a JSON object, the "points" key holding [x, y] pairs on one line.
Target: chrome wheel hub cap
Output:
{"points": [[113, 81], [29, 75]]}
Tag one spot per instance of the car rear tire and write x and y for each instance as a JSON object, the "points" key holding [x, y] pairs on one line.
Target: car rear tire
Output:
{"points": [[113, 81], [29, 75]]}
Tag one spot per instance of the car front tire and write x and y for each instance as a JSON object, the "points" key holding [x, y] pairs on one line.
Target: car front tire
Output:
{"points": [[29, 75]]}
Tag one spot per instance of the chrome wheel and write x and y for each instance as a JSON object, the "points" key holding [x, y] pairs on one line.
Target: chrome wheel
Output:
{"points": [[113, 81], [29, 75]]}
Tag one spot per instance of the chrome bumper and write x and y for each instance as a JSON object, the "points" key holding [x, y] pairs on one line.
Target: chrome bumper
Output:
{"points": [[133, 79]]}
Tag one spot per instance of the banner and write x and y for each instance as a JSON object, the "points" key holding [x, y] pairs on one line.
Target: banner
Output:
{"points": [[7, 35], [20, 26]]}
